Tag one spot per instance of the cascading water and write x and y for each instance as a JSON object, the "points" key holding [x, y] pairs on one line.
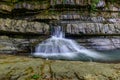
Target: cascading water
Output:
{"points": [[58, 47]]}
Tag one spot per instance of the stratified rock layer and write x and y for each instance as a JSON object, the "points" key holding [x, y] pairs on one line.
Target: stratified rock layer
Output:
{"points": [[93, 28], [23, 26], [99, 43]]}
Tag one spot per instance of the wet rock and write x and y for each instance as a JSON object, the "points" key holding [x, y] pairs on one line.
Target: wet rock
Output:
{"points": [[93, 28], [101, 3], [98, 19], [108, 43], [16, 45], [114, 20], [7, 45], [104, 44]]}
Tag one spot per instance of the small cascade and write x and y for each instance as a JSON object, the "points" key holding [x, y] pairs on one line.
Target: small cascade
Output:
{"points": [[58, 47], [57, 32]]}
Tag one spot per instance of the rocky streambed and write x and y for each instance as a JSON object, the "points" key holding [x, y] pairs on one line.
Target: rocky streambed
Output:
{"points": [[26, 68]]}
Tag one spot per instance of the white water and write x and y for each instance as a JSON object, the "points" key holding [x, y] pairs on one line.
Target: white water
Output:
{"points": [[58, 47]]}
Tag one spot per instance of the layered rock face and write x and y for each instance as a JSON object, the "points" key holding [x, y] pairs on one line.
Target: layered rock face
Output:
{"points": [[24, 45], [23, 26], [25, 31], [30, 5], [100, 30], [100, 43], [20, 17], [71, 2], [51, 9], [93, 28]]}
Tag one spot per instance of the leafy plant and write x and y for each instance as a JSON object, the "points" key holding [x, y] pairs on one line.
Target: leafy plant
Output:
{"points": [[93, 5], [36, 76]]}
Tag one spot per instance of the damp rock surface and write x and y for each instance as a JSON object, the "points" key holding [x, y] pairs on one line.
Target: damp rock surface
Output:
{"points": [[25, 68], [108, 43], [15, 45], [93, 28]]}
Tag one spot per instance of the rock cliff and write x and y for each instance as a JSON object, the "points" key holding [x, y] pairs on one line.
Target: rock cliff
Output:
{"points": [[21, 21]]}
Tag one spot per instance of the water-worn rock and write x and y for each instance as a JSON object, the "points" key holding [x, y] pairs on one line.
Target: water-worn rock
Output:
{"points": [[93, 28], [99, 43], [101, 3], [17, 45], [10, 45], [24, 68], [23, 26]]}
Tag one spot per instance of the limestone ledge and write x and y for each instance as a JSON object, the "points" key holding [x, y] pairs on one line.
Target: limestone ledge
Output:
{"points": [[23, 26], [108, 43], [93, 28], [33, 8], [29, 5]]}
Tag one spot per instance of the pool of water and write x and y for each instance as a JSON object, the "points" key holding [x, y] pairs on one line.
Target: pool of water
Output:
{"points": [[108, 56]]}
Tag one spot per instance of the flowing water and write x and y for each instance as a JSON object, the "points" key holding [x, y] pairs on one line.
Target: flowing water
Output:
{"points": [[58, 47]]}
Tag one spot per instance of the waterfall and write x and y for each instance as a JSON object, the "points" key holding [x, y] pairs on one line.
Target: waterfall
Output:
{"points": [[57, 32], [58, 47]]}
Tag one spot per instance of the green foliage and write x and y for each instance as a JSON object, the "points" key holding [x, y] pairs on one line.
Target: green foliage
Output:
{"points": [[93, 5], [36, 76]]}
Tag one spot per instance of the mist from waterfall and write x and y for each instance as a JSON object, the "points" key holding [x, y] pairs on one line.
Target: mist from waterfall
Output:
{"points": [[58, 47]]}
